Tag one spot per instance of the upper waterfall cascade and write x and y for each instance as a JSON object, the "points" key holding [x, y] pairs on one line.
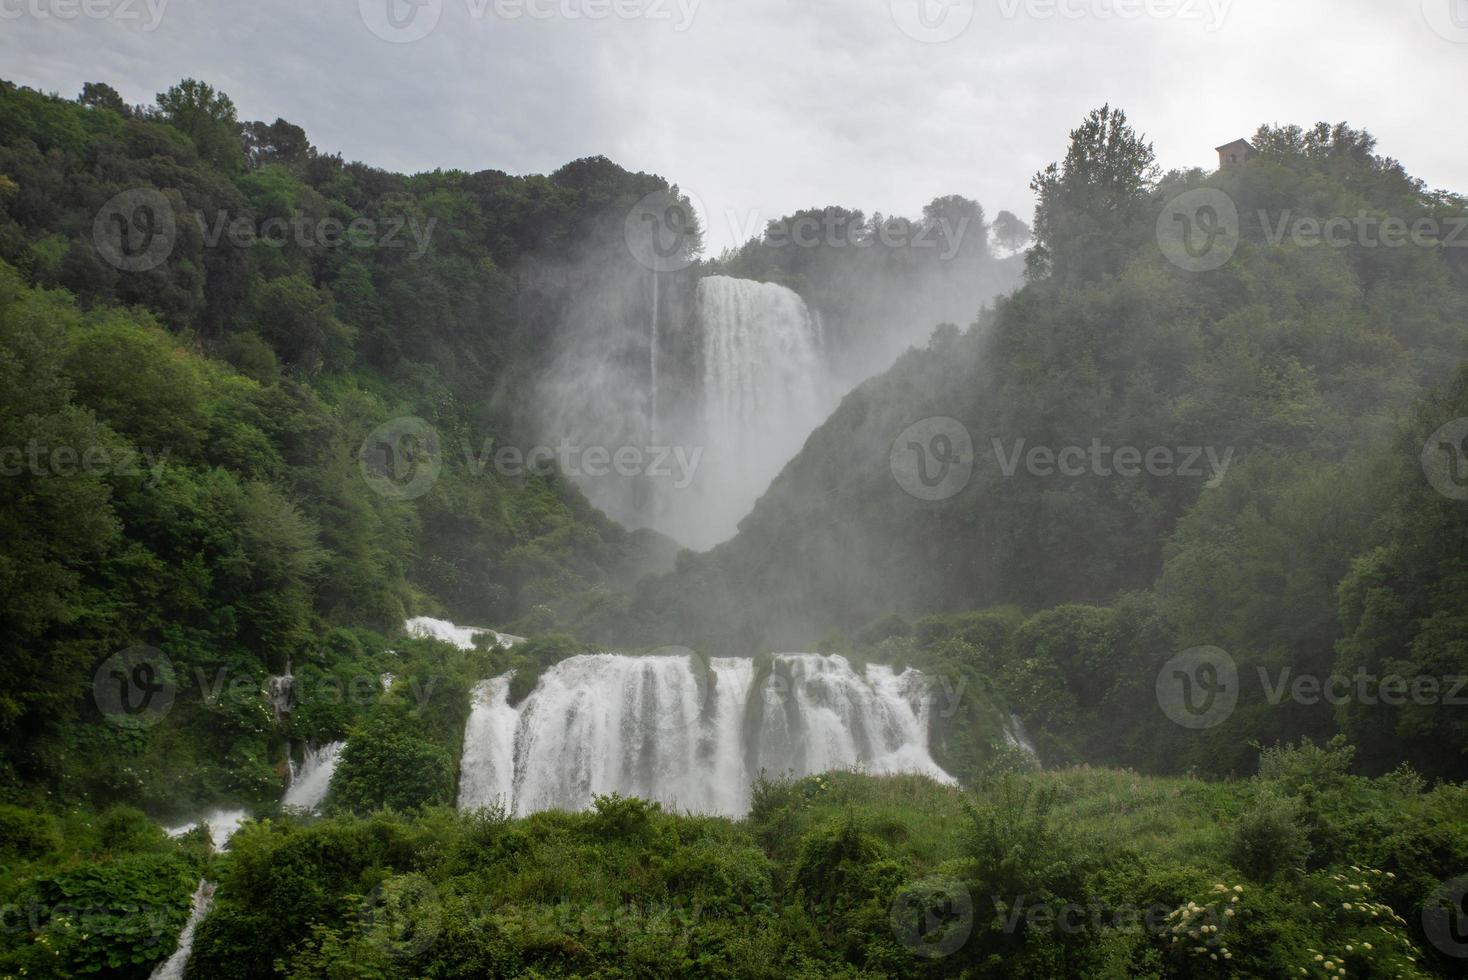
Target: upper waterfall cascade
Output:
{"points": [[711, 391], [763, 392], [688, 733]]}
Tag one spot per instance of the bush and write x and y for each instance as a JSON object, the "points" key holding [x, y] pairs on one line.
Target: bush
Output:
{"points": [[26, 834], [623, 817], [386, 767], [1270, 838]]}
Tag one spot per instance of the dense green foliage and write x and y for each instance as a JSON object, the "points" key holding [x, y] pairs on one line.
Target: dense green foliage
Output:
{"points": [[1304, 538], [188, 473], [1075, 874]]}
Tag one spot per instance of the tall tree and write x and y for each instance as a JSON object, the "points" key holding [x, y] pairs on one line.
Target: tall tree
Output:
{"points": [[1088, 204]]}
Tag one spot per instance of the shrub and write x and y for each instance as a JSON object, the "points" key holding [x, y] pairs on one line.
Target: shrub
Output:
{"points": [[623, 817], [26, 834], [1270, 838]]}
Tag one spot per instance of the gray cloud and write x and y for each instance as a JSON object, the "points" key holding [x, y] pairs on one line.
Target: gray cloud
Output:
{"points": [[763, 106]]}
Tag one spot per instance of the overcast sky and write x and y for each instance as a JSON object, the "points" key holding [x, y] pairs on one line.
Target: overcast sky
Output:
{"points": [[759, 107]]}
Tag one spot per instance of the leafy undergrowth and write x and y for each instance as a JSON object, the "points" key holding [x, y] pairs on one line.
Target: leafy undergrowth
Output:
{"points": [[1303, 870]]}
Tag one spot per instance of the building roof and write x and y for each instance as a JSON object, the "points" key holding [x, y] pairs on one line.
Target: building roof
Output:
{"points": [[1236, 143]]}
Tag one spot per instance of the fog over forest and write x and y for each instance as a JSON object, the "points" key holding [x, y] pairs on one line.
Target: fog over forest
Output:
{"points": [[684, 488]]}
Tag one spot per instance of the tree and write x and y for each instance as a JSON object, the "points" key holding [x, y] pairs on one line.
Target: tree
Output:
{"points": [[98, 95], [277, 142], [1010, 232], [208, 118], [1090, 202]]}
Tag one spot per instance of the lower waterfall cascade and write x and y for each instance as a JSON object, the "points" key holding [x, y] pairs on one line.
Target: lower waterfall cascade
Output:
{"points": [[688, 733]]}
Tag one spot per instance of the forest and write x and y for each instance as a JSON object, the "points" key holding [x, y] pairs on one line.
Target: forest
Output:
{"points": [[188, 465]]}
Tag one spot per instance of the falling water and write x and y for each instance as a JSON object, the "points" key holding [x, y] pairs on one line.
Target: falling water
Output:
{"points": [[173, 967], [1016, 737], [714, 388], [310, 782], [460, 636], [652, 364], [221, 823], [689, 733], [763, 394]]}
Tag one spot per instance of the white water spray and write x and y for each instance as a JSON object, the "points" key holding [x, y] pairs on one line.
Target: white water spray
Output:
{"points": [[764, 391], [173, 967], [692, 735], [312, 779]]}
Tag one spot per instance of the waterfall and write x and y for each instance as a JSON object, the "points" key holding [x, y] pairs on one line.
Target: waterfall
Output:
{"points": [[173, 967], [689, 733], [310, 782], [221, 823], [652, 364], [460, 636], [712, 387], [1016, 737], [763, 390]]}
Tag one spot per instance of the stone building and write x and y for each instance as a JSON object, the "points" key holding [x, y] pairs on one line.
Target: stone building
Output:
{"points": [[1235, 153]]}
